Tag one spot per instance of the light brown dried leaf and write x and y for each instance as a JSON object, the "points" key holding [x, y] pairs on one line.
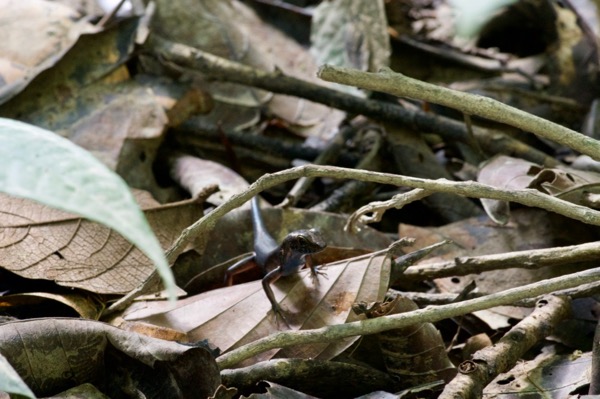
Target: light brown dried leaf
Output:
{"points": [[39, 242], [37, 34], [195, 174], [234, 316]]}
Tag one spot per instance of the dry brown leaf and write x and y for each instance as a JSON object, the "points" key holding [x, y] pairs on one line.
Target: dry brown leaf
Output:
{"points": [[122, 125], [234, 316], [52, 355], [194, 174], [37, 34], [39, 242]]}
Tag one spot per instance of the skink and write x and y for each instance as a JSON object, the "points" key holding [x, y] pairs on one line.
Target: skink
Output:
{"points": [[276, 260]]}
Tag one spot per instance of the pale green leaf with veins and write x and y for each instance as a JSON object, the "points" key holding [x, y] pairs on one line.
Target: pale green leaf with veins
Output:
{"points": [[39, 165]]}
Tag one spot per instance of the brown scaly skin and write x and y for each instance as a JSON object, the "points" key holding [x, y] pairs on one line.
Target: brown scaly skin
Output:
{"points": [[278, 260]]}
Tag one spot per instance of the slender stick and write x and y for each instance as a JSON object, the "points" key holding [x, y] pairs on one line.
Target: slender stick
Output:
{"points": [[430, 314], [278, 82], [470, 104], [529, 197]]}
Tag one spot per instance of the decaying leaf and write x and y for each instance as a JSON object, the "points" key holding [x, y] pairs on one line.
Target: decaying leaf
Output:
{"points": [[93, 58], [415, 354], [52, 355], [37, 34], [351, 34], [550, 371], [41, 242]]}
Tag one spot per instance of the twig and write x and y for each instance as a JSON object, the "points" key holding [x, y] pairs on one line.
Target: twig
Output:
{"points": [[378, 208], [200, 229], [487, 363], [429, 314], [328, 155], [531, 259], [278, 82], [470, 104], [425, 299]]}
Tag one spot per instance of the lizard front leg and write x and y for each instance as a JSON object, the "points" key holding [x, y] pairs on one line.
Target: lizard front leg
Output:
{"points": [[315, 270]]}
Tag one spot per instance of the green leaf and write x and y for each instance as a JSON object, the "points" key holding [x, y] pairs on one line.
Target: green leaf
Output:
{"points": [[471, 15], [11, 382], [42, 166]]}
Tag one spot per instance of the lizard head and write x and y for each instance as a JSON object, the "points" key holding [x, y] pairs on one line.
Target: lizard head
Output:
{"points": [[304, 241]]}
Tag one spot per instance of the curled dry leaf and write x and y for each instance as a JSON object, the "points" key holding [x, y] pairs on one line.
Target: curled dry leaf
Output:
{"points": [[83, 304], [194, 174], [52, 355], [39, 242], [572, 185]]}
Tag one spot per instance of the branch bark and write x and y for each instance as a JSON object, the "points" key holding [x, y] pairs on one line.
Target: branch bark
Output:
{"points": [[470, 104]]}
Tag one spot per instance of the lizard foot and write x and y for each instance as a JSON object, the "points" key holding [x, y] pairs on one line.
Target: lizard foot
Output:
{"points": [[278, 313], [317, 271]]}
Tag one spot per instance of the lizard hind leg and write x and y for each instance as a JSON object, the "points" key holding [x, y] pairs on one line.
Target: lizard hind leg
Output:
{"points": [[244, 264]]}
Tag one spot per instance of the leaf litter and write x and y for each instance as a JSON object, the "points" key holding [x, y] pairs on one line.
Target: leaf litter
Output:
{"points": [[83, 86]]}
